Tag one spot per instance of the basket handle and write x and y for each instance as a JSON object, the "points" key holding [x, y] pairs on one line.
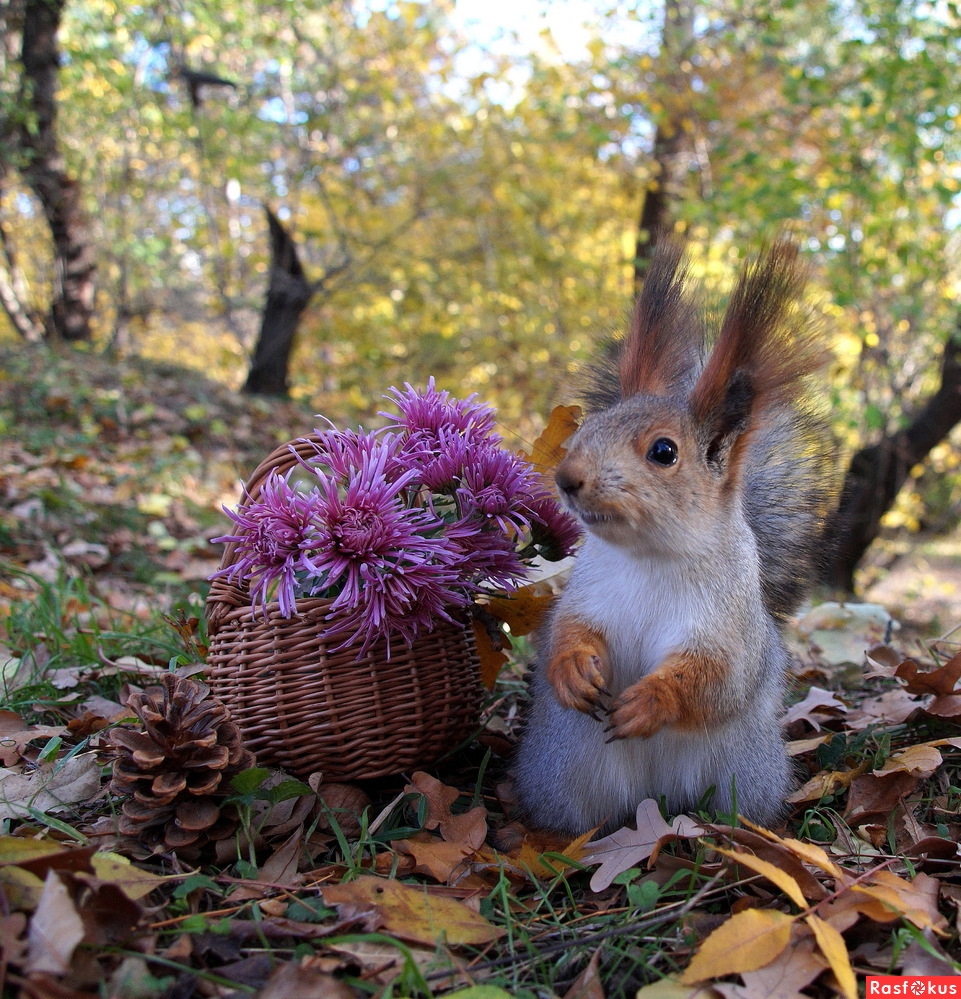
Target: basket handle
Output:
{"points": [[224, 596]]}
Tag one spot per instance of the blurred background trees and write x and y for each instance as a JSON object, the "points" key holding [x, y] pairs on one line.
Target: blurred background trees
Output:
{"points": [[481, 212]]}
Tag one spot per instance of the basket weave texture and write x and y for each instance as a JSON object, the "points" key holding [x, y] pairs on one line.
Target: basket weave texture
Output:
{"points": [[305, 708]]}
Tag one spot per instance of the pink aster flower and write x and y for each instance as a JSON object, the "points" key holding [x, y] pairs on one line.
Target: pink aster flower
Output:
{"points": [[392, 569], [274, 533], [432, 411], [554, 533], [340, 452], [496, 486]]}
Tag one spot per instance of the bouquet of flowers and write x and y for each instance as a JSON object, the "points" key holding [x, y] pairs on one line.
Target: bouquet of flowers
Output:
{"points": [[400, 526]]}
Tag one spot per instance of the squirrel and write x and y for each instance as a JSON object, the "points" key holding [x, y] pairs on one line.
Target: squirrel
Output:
{"points": [[701, 477]]}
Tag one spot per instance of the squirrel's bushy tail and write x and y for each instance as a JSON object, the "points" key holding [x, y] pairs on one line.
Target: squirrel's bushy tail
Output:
{"points": [[750, 394]]}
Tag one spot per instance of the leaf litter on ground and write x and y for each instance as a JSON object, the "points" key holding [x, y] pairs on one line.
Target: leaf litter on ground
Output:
{"points": [[424, 884]]}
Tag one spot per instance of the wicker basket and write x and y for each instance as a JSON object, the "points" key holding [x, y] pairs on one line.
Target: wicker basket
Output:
{"points": [[305, 709]]}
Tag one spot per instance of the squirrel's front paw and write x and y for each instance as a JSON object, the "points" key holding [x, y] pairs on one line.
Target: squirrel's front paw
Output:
{"points": [[577, 676], [644, 709]]}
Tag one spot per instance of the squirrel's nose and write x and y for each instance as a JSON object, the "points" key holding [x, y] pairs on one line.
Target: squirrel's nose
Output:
{"points": [[567, 481]]}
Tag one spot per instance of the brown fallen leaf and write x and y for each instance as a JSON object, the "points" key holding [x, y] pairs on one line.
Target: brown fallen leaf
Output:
{"points": [[55, 929], [817, 702], [790, 972], [588, 983], [413, 914], [919, 761], [873, 798], [524, 611], [916, 901], [469, 828], [436, 858], [491, 660], [304, 982], [49, 788]]}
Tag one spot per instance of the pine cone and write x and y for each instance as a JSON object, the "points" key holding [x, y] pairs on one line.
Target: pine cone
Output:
{"points": [[177, 772]]}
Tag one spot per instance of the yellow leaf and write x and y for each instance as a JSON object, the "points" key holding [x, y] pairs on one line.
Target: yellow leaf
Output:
{"points": [[833, 947], [782, 879], [906, 899], [415, 915], [921, 761], [747, 941], [523, 611], [132, 881], [548, 449], [530, 857], [815, 856]]}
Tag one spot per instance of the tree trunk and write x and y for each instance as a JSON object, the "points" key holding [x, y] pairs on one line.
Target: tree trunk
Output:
{"points": [[671, 141], [44, 170], [877, 473], [288, 293]]}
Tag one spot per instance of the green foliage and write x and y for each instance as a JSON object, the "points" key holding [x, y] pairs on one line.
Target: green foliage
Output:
{"points": [[471, 214]]}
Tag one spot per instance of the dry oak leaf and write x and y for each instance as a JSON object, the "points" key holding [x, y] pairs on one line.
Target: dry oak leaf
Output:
{"points": [[747, 941], [626, 847], [469, 827], [46, 790], [939, 682], [436, 858], [816, 701], [875, 798], [548, 450], [413, 914]]}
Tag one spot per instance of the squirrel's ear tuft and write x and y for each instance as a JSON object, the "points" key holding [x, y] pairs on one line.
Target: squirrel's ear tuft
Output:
{"points": [[766, 338], [665, 339]]}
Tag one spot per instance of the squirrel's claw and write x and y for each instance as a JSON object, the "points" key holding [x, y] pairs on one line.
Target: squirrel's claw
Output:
{"points": [[643, 709], [578, 681]]}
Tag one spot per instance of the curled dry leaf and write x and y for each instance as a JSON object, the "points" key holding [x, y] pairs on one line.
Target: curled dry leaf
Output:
{"points": [[49, 788], [816, 702]]}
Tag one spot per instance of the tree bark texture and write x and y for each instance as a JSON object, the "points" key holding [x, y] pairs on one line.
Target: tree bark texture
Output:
{"points": [[877, 473], [71, 306], [288, 292], [671, 141]]}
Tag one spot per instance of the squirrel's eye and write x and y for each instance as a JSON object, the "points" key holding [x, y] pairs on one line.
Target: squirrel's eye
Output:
{"points": [[663, 452]]}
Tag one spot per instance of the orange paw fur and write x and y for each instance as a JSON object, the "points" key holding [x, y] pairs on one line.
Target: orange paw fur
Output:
{"points": [[577, 670], [681, 692]]}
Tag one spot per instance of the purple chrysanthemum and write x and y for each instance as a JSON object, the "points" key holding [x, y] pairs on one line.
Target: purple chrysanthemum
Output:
{"points": [[403, 525], [554, 533], [488, 558], [341, 452], [392, 569], [496, 486], [432, 411], [275, 531]]}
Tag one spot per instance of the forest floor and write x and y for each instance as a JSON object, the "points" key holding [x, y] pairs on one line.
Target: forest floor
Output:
{"points": [[112, 479]]}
